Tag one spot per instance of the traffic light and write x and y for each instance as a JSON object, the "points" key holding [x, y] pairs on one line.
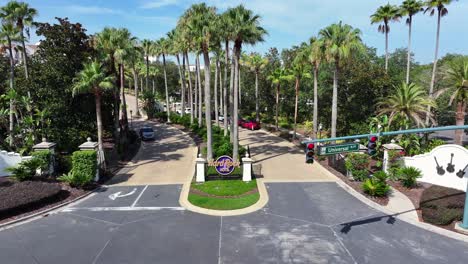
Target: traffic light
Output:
{"points": [[310, 153], [372, 145]]}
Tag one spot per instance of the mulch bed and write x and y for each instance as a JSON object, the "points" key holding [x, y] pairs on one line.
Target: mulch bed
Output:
{"points": [[354, 184], [20, 199], [198, 192]]}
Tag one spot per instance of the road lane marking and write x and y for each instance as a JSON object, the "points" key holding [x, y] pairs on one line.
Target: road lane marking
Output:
{"points": [[117, 194], [124, 208], [139, 196]]}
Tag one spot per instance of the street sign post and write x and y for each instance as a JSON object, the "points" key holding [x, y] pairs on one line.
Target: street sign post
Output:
{"points": [[338, 148]]}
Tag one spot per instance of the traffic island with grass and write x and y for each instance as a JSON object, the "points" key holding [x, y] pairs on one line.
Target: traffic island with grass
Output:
{"points": [[224, 194]]}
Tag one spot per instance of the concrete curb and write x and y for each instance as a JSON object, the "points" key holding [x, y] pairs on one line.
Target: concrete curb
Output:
{"points": [[41, 214]]}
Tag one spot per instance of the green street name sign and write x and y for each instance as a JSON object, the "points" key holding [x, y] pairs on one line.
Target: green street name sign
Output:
{"points": [[341, 148]]}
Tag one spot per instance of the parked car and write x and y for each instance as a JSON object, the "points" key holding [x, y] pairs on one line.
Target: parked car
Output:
{"points": [[251, 124], [147, 133], [240, 122]]}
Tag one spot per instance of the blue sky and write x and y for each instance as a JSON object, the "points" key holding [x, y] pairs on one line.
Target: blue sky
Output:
{"points": [[289, 22]]}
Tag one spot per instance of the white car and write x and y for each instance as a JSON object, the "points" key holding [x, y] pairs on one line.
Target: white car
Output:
{"points": [[147, 133]]}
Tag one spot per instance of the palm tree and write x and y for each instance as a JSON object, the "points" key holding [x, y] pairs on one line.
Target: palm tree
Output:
{"points": [[457, 77], [340, 41], [147, 46], [217, 57], [276, 77], [93, 79], [162, 48], [409, 103], [316, 56], [433, 6], [298, 72], [134, 56], [23, 16], [174, 40], [246, 29], [226, 34], [410, 8], [385, 14], [9, 34], [255, 62]]}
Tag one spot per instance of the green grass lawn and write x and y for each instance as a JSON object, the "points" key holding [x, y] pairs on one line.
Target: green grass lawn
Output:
{"points": [[223, 203], [225, 187]]}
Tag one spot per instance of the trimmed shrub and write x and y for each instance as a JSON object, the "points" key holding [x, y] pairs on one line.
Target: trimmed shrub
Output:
{"points": [[442, 206], [43, 158], [358, 165], [84, 165], [408, 176]]}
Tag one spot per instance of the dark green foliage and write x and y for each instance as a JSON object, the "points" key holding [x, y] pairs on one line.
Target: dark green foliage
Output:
{"points": [[377, 185], [441, 205], [380, 176], [84, 165], [395, 163], [149, 105], [43, 158], [408, 176], [358, 165], [64, 164]]}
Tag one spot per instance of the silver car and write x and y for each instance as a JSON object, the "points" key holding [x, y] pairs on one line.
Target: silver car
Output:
{"points": [[147, 133]]}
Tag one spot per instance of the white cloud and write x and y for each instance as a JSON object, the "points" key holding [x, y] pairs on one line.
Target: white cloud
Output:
{"points": [[158, 4], [92, 10]]}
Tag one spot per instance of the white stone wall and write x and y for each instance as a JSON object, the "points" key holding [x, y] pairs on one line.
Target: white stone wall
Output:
{"points": [[427, 164], [9, 159]]}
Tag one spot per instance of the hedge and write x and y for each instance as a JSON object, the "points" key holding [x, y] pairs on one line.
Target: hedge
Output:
{"points": [[43, 157], [84, 166]]}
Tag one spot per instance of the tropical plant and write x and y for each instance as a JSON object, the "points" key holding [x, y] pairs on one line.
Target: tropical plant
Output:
{"points": [[409, 102], [340, 42], [245, 29], [457, 78], [408, 176], [162, 49], [93, 79], [299, 71], [375, 187], [255, 62], [148, 49], [384, 15], [276, 77], [433, 6], [316, 57], [410, 8]]}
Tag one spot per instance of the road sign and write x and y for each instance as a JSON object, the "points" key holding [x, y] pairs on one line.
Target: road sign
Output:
{"points": [[339, 148]]}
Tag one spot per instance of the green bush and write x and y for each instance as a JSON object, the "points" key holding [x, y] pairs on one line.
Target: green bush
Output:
{"points": [[395, 163], [284, 124], [84, 166], [442, 206], [64, 164], [375, 187], [408, 176], [43, 158], [380, 176], [358, 165], [26, 169]]}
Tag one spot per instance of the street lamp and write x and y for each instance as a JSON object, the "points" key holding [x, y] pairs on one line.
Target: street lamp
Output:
{"points": [[131, 115], [320, 130]]}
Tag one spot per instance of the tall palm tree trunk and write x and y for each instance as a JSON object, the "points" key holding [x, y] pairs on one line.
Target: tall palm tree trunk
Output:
{"points": [[124, 101], [135, 83], [257, 107], [235, 132], [190, 88], [240, 86], [225, 89], [408, 62], [12, 82], [207, 71], [277, 104], [334, 101], [97, 97], [460, 121], [221, 95], [116, 94], [315, 116], [168, 109], [386, 47], [196, 92], [182, 86], [216, 92], [200, 94], [147, 73], [295, 107], [231, 98], [25, 59], [434, 67]]}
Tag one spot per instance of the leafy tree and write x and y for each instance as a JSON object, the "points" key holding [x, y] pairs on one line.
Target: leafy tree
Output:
{"points": [[299, 71], [255, 62], [316, 57], [276, 77]]}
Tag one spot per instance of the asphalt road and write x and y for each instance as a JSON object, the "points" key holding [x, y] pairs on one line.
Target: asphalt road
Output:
{"points": [[302, 223]]}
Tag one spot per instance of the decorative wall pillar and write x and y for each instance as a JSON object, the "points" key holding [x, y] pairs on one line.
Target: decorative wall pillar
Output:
{"points": [[387, 147], [50, 146], [247, 168], [200, 168]]}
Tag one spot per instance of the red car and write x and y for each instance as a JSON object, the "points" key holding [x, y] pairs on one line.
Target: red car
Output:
{"points": [[251, 124]]}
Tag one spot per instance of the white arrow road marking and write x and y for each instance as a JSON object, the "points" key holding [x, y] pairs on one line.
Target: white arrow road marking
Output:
{"points": [[117, 194]]}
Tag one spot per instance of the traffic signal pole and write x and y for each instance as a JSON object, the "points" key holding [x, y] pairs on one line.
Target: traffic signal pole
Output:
{"points": [[390, 133]]}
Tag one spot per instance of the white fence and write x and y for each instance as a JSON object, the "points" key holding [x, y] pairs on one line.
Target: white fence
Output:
{"points": [[9, 159], [443, 166]]}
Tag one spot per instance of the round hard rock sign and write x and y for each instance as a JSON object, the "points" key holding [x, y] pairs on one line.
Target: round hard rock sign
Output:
{"points": [[224, 165]]}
